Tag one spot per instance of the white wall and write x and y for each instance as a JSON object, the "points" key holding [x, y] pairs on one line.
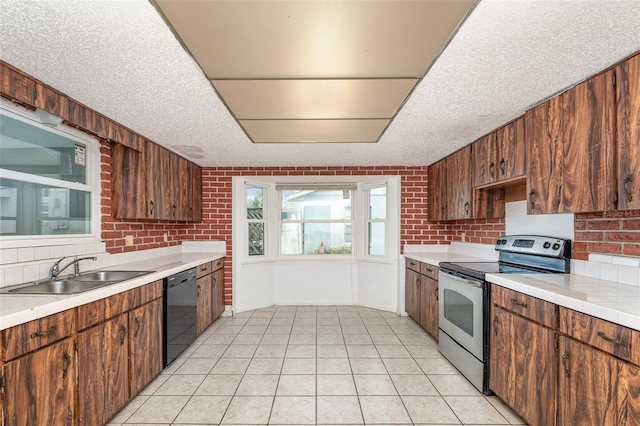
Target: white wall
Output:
{"points": [[518, 222]]}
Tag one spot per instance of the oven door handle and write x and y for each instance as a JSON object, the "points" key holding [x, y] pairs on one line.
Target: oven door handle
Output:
{"points": [[464, 280]]}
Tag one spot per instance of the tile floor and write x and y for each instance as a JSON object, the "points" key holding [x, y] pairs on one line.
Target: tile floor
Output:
{"points": [[301, 365]]}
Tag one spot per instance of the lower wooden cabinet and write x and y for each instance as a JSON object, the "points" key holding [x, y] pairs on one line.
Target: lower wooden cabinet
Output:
{"points": [[39, 388], [421, 295], [218, 293], [145, 345], [522, 370], [205, 302], [210, 291]]}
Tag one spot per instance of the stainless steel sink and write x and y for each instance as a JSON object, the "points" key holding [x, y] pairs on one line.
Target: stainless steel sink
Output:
{"points": [[72, 285], [113, 276]]}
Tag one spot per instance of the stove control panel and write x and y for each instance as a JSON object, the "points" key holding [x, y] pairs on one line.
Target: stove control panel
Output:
{"points": [[534, 244]]}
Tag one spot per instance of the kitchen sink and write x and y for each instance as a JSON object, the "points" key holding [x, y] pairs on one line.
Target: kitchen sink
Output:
{"points": [[85, 282]]}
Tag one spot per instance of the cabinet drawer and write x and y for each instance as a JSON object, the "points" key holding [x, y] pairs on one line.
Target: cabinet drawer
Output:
{"points": [[528, 306], [414, 265], [147, 293], [90, 314], [607, 336], [30, 336], [205, 269], [218, 264], [429, 270]]}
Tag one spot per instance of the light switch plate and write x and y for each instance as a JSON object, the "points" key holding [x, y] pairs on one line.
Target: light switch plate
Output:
{"points": [[128, 240]]}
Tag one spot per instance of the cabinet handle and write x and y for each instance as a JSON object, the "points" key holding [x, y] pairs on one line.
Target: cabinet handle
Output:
{"points": [[190, 212], [418, 282], [412, 264], [152, 205], [515, 302], [491, 167], [532, 193], [501, 165], [48, 331], [138, 322], [67, 363], [198, 292], [620, 342], [495, 325], [625, 186], [174, 210], [204, 268], [429, 270], [436, 293], [565, 364], [123, 333], [466, 208]]}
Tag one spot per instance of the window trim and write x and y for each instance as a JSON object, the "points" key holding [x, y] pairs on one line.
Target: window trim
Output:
{"points": [[92, 186], [265, 223], [366, 188]]}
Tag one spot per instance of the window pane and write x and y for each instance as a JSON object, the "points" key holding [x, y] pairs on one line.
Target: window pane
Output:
{"points": [[316, 204], [35, 209], [378, 203], [376, 238], [254, 203], [256, 239], [29, 149], [315, 238]]}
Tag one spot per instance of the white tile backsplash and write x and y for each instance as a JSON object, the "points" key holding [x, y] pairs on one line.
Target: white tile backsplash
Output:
{"points": [[8, 256], [26, 254], [41, 253], [620, 269]]}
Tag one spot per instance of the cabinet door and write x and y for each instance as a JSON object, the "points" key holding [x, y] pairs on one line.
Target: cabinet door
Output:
{"points": [[544, 157], [40, 387], [628, 133], [195, 199], [205, 302], [511, 151], [218, 293], [588, 385], [91, 376], [484, 161], [429, 306], [159, 183], [522, 366], [588, 146], [116, 352], [181, 188], [129, 177], [459, 184], [437, 191], [145, 325], [412, 294]]}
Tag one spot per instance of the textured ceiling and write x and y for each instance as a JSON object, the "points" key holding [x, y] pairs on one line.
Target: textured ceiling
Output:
{"points": [[120, 58]]}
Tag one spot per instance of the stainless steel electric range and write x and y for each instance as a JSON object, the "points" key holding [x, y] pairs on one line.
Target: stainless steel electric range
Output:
{"points": [[465, 298]]}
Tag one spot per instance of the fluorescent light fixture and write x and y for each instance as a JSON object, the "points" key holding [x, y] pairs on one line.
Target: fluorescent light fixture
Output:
{"points": [[47, 118]]}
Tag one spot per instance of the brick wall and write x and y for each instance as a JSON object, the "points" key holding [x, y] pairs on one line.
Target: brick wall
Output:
{"points": [[614, 232], [484, 231]]}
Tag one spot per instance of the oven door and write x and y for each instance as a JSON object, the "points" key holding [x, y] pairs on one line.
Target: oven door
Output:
{"points": [[461, 311]]}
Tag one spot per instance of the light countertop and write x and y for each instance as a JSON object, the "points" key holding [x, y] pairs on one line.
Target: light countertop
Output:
{"points": [[18, 309], [611, 301]]}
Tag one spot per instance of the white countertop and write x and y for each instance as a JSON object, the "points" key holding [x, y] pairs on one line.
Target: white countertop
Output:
{"points": [[611, 301], [18, 309]]}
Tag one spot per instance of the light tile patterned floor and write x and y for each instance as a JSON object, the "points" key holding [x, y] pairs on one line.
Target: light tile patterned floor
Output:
{"points": [[302, 365]]}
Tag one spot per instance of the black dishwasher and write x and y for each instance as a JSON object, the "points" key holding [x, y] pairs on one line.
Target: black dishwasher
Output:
{"points": [[180, 314]]}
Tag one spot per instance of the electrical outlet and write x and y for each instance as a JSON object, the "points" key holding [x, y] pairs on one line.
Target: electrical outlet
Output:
{"points": [[464, 236], [166, 237], [128, 240]]}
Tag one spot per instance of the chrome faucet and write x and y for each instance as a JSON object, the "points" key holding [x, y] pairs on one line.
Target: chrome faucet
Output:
{"points": [[55, 269]]}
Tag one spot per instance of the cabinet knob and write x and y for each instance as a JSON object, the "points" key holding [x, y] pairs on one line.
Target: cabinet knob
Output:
{"points": [[565, 364], [67, 363], [491, 167], [151, 206], [627, 190], [466, 208], [501, 165], [532, 194]]}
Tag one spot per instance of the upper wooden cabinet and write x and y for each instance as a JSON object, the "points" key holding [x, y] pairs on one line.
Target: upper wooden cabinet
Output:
{"points": [[459, 193], [628, 133], [438, 191], [155, 184], [500, 155], [570, 150], [450, 190]]}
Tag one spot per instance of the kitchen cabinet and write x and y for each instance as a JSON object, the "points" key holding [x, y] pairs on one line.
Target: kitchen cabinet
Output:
{"points": [[459, 189], [145, 345], [500, 155], [570, 150], [155, 184], [204, 302], [102, 371], [628, 133], [596, 388], [38, 375], [437, 191], [218, 288], [522, 359], [39, 388], [421, 295]]}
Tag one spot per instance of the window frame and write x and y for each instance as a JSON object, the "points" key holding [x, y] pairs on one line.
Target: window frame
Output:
{"points": [[92, 185], [367, 188], [264, 220], [352, 222]]}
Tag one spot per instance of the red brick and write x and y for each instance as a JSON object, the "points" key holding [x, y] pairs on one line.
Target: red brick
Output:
{"points": [[623, 236], [603, 224], [632, 249], [631, 224], [604, 248]]}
